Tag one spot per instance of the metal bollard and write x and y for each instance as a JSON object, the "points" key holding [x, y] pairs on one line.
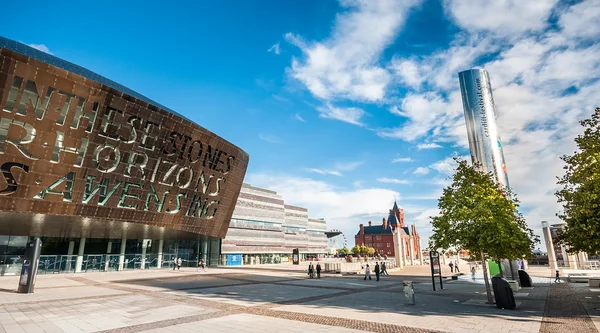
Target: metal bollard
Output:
{"points": [[409, 291]]}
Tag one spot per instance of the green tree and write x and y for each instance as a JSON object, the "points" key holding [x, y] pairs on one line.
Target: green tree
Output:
{"points": [[363, 249], [356, 249], [580, 194], [369, 251], [343, 251], [480, 216]]}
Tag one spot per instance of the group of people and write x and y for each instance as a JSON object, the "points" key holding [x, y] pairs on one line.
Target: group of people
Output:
{"points": [[454, 266], [312, 269], [177, 263], [379, 270]]}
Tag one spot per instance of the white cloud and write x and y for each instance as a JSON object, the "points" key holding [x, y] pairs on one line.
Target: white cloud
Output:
{"points": [[423, 113], [342, 208], [346, 64], [432, 145], [299, 117], [402, 160], [392, 181], [274, 49], [337, 168], [348, 166], [325, 172], [580, 20], [349, 115], [501, 17], [445, 166], [270, 138], [41, 47], [421, 171]]}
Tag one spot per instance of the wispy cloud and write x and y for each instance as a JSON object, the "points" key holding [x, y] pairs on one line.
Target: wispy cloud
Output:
{"points": [[346, 65], [280, 98], [393, 180], [299, 117], [402, 160], [432, 145], [274, 49], [41, 47], [325, 172], [348, 166], [270, 138], [337, 168], [349, 115], [421, 171]]}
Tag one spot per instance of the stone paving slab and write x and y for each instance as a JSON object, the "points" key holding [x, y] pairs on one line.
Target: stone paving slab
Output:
{"points": [[246, 323], [430, 312], [90, 315], [565, 312], [258, 294], [343, 283], [269, 300], [590, 299], [51, 294]]}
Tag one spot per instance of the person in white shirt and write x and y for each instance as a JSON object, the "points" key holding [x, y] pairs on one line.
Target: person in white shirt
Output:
{"points": [[367, 272]]}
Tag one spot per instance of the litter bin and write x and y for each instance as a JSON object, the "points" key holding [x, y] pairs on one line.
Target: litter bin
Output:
{"points": [[525, 279], [503, 294], [30, 266]]}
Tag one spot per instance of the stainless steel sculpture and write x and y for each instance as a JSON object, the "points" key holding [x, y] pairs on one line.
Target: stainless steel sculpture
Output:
{"points": [[480, 116]]}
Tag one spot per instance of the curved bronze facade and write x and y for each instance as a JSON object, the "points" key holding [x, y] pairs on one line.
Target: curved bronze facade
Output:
{"points": [[82, 156]]}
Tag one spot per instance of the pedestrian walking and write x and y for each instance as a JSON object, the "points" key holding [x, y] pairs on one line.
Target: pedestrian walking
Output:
{"points": [[178, 263], [456, 266], [451, 264], [310, 270], [557, 279], [367, 272], [377, 271], [318, 270], [473, 272], [174, 263], [202, 264], [383, 269]]}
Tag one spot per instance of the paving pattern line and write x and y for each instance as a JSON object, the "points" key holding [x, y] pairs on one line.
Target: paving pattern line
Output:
{"points": [[168, 322], [564, 312], [41, 301], [356, 324]]}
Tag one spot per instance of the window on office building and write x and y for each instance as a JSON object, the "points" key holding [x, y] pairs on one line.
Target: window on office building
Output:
{"points": [[378, 237], [389, 245]]}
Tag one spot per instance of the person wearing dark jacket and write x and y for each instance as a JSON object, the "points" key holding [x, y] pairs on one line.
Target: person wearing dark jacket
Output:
{"points": [[318, 270], [377, 271]]}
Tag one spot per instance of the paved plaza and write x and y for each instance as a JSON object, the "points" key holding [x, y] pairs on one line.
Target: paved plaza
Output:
{"points": [[282, 299]]}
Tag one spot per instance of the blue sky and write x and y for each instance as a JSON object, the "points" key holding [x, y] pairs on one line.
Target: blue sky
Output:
{"points": [[345, 105]]}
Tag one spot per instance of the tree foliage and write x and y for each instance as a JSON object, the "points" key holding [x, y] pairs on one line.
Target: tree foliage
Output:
{"points": [[580, 194], [480, 216], [364, 250], [343, 251]]}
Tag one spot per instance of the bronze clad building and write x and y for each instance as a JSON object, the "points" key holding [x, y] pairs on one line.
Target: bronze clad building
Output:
{"points": [[108, 178]]}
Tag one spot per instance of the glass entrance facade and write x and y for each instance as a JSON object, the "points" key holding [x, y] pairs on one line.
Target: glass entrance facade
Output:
{"points": [[59, 255]]}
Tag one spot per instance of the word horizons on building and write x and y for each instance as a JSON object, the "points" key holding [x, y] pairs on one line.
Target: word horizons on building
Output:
{"points": [[131, 130], [67, 139]]}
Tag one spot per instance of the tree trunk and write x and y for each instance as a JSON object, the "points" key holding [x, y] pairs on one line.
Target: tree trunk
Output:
{"points": [[512, 272], [488, 288], [499, 262]]}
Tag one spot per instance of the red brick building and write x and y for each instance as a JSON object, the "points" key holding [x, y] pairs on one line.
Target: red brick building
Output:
{"points": [[381, 237]]}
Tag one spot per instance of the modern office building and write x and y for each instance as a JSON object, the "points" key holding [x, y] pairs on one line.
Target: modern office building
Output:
{"points": [[107, 178], [264, 230]]}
